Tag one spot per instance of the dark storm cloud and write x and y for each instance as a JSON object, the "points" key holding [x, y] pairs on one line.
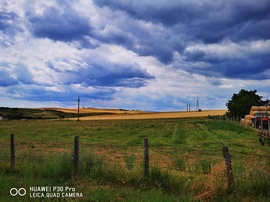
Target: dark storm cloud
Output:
{"points": [[253, 30], [216, 31], [254, 68], [188, 22], [41, 93], [158, 42], [113, 37], [106, 74], [215, 82], [195, 55], [235, 20], [167, 13], [120, 76], [251, 65], [140, 38], [207, 21], [159, 48], [57, 25]]}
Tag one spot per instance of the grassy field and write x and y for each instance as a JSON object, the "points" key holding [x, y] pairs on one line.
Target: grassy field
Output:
{"points": [[186, 162]]}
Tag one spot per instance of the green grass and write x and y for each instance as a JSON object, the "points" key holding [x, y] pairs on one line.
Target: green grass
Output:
{"points": [[185, 159], [21, 113], [200, 134]]}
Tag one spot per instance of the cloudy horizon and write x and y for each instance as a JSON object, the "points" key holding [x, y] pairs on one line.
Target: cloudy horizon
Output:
{"points": [[144, 55]]}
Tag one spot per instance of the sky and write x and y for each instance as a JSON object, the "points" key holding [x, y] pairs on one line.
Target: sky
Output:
{"points": [[144, 55]]}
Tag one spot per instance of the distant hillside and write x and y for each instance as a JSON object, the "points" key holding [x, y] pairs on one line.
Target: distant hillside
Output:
{"points": [[44, 113]]}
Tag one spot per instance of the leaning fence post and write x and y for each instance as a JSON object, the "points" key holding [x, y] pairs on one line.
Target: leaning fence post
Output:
{"points": [[227, 157], [12, 153], [76, 156], [268, 125], [146, 159]]}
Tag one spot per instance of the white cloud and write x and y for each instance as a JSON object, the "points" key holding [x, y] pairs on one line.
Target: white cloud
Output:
{"points": [[231, 50]]}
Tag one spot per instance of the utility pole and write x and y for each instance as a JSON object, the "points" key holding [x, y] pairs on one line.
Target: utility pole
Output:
{"points": [[188, 107], [78, 108], [197, 106]]}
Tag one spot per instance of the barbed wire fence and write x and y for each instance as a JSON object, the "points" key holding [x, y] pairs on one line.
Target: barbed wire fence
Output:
{"points": [[206, 172]]}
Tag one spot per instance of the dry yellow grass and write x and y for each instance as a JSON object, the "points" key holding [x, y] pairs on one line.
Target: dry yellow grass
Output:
{"points": [[94, 110], [120, 114]]}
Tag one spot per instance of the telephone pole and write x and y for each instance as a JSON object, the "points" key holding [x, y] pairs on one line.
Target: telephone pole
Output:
{"points": [[78, 108]]}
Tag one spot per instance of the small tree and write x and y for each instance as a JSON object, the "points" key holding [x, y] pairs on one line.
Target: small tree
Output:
{"points": [[240, 103]]}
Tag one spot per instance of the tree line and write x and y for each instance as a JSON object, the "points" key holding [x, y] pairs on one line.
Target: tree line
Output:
{"points": [[241, 102]]}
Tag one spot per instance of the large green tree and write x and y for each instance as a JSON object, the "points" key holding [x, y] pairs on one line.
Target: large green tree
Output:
{"points": [[240, 103]]}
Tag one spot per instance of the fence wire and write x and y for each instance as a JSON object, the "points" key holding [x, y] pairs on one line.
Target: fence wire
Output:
{"points": [[204, 167]]}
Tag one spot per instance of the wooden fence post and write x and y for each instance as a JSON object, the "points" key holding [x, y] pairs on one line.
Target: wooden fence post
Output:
{"points": [[227, 157], [146, 159], [260, 137], [268, 126], [76, 156], [12, 153]]}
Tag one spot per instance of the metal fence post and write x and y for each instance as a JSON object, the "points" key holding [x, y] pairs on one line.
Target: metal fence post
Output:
{"points": [[146, 159], [12, 153]]}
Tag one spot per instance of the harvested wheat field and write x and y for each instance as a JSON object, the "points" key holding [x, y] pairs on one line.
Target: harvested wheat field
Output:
{"points": [[120, 114], [96, 110]]}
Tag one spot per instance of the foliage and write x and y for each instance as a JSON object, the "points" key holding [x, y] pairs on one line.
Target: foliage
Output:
{"points": [[241, 102]]}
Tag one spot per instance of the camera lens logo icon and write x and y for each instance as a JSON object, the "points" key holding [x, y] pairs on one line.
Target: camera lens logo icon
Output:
{"points": [[15, 191]]}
